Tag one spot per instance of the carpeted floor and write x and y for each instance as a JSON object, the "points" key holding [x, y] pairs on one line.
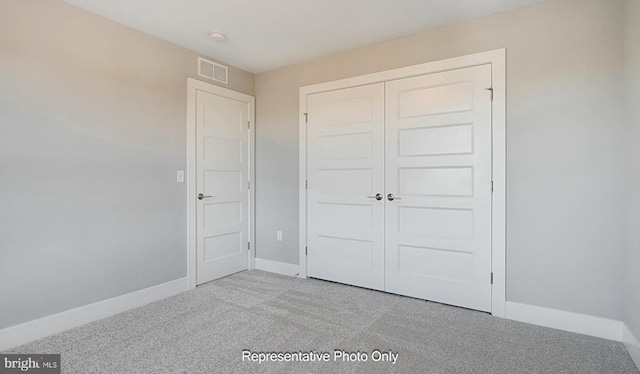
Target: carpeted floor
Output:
{"points": [[207, 329]]}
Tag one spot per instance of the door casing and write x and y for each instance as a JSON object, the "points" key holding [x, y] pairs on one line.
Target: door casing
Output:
{"points": [[193, 86], [497, 60]]}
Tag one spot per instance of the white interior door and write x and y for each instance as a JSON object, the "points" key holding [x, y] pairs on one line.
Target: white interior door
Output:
{"points": [[438, 165], [222, 172], [345, 169]]}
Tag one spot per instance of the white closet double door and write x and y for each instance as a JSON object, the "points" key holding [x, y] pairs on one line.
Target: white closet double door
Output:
{"points": [[399, 186]]}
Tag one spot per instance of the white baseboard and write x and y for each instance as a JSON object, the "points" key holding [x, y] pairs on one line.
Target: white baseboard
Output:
{"points": [[632, 344], [567, 321], [17, 335], [277, 267]]}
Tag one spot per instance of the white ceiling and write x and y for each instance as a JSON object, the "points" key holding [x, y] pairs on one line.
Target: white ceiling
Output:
{"points": [[268, 34]]}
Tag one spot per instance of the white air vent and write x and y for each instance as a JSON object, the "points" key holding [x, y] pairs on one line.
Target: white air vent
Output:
{"points": [[211, 70]]}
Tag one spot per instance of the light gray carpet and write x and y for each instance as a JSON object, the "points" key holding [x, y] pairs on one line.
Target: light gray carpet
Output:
{"points": [[206, 330]]}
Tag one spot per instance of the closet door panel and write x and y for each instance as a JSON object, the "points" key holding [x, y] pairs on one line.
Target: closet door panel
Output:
{"points": [[345, 166], [438, 166]]}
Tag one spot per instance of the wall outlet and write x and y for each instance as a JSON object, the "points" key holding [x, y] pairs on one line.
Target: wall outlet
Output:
{"points": [[180, 176], [279, 236]]}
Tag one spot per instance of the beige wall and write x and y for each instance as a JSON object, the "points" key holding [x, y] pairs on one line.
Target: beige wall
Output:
{"points": [[92, 131], [565, 163], [632, 316]]}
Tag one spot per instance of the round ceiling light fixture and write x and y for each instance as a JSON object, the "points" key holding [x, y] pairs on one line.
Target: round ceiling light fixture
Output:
{"points": [[217, 36]]}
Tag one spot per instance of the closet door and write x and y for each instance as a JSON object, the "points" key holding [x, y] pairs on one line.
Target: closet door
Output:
{"points": [[438, 179], [345, 233]]}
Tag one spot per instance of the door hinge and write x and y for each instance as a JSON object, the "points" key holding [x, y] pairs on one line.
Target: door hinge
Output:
{"points": [[490, 89], [306, 185], [491, 186], [248, 124], [306, 250], [249, 185], [491, 278], [248, 246], [306, 117]]}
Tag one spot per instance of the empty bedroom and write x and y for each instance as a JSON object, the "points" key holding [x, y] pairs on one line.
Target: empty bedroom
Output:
{"points": [[355, 186]]}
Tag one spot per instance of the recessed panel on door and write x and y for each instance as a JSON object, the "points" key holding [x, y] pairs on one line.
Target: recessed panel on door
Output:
{"points": [[221, 214], [345, 217], [435, 181], [343, 111], [436, 263], [346, 251], [436, 140], [428, 98], [222, 113], [222, 149], [353, 182], [220, 247], [223, 182], [345, 146], [436, 222]]}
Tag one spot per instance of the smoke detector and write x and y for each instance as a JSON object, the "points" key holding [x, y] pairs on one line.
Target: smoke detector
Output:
{"points": [[217, 36]]}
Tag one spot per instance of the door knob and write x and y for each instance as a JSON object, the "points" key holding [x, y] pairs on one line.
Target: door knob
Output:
{"points": [[390, 197], [202, 196], [378, 197]]}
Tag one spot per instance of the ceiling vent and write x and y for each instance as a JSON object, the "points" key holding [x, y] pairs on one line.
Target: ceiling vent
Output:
{"points": [[213, 71]]}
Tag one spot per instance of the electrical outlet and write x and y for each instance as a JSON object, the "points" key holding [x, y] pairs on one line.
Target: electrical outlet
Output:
{"points": [[279, 236]]}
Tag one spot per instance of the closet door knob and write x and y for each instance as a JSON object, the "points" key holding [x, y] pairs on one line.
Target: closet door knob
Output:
{"points": [[390, 197], [378, 197], [203, 196]]}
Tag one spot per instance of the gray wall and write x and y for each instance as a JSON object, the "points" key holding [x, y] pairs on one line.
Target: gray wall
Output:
{"points": [[92, 131], [567, 226], [632, 12]]}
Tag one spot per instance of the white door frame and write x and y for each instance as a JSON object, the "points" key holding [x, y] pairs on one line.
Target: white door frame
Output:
{"points": [[497, 59], [193, 86]]}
